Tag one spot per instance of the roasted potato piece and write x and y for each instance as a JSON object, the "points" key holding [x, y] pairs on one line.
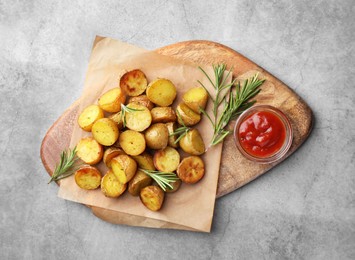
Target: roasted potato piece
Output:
{"points": [[88, 117], [191, 169], [89, 150], [163, 115], [111, 187], [145, 161], [116, 117], [139, 181], [166, 160], [176, 185], [142, 100], [196, 98], [132, 142], [110, 153], [111, 100], [124, 168], [152, 197], [192, 143], [172, 138], [138, 120], [105, 131], [88, 177], [187, 115], [133, 83], [157, 136], [161, 92]]}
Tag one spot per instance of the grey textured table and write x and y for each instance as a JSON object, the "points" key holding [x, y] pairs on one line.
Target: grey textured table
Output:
{"points": [[302, 209]]}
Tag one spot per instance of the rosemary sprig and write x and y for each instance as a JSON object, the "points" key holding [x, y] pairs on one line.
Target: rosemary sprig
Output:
{"points": [[124, 110], [234, 97], [180, 131], [65, 167], [162, 178]]}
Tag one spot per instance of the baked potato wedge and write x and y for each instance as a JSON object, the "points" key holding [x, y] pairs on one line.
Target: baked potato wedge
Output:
{"points": [[152, 197], [132, 142], [87, 177], [157, 136], [89, 150], [167, 159], [186, 115], [196, 98], [111, 153], [111, 100], [145, 161], [171, 126], [88, 117], [124, 168], [161, 92], [142, 100], [133, 82], [163, 115], [192, 143], [138, 120], [111, 187], [176, 185], [191, 169], [116, 117], [139, 181], [105, 131]]}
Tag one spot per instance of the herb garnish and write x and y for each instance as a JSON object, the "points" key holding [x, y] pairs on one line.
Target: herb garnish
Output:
{"points": [[163, 179]]}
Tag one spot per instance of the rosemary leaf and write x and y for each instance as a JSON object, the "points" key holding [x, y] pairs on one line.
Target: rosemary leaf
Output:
{"points": [[163, 179]]}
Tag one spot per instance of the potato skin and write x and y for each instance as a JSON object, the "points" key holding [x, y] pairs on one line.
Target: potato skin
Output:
{"points": [[157, 136], [163, 115], [191, 169], [124, 168], [167, 159], [88, 117], [196, 98], [110, 153], [89, 150], [139, 181], [145, 161], [171, 126], [111, 187], [192, 143], [142, 100], [138, 120], [133, 82], [116, 117], [152, 197], [132, 142], [105, 131], [187, 115], [88, 178], [161, 92], [112, 99]]}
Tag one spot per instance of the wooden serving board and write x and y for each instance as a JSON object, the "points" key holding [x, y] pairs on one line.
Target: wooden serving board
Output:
{"points": [[235, 170]]}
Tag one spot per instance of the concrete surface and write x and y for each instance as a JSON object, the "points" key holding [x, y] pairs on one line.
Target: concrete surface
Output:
{"points": [[303, 209]]}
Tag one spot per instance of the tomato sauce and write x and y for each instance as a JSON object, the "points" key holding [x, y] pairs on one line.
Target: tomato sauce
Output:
{"points": [[262, 134]]}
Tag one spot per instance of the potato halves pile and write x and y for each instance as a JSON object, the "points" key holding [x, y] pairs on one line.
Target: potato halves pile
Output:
{"points": [[132, 130]]}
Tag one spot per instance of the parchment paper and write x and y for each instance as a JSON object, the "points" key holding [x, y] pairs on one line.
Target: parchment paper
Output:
{"points": [[192, 206]]}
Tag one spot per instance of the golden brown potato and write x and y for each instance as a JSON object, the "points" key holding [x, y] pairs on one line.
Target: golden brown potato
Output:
{"points": [[89, 150], [116, 117], [196, 98], [111, 187], [142, 100], [161, 92], [157, 136], [163, 115], [191, 169], [88, 117], [132, 142], [124, 168], [152, 197], [171, 126], [87, 177], [145, 161], [139, 181], [133, 83], [110, 153], [138, 120], [192, 143], [187, 115], [166, 160], [111, 100], [105, 131]]}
